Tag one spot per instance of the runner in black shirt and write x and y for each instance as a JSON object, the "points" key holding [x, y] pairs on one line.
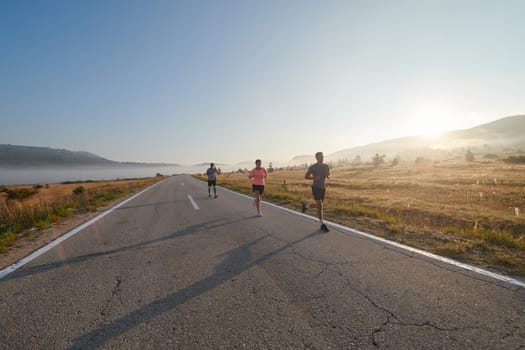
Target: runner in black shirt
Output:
{"points": [[318, 172]]}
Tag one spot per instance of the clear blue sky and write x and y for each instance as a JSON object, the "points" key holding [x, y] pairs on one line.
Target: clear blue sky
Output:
{"points": [[228, 81]]}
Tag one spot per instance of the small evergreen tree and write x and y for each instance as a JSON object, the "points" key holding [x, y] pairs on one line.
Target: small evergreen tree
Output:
{"points": [[469, 156], [378, 160], [395, 161]]}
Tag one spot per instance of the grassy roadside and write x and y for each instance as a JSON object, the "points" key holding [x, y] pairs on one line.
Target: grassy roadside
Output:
{"points": [[470, 213], [26, 209]]}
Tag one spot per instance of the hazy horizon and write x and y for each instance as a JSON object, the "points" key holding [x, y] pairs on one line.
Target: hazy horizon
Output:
{"points": [[232, 81]]}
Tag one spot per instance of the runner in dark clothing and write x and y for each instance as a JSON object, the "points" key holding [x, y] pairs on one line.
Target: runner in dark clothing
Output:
{"points": [[318, 172], [212, 179]]}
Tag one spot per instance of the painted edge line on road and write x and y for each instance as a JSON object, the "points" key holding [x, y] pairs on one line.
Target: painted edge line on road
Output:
{"points": [[6, 271], [193, 203], [449, 261]]}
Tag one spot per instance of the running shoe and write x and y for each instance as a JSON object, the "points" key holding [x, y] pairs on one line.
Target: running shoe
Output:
{"points": [[324, 228]]}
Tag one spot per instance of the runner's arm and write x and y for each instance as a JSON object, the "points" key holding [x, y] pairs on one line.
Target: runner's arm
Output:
{"points": [[308, 175]]}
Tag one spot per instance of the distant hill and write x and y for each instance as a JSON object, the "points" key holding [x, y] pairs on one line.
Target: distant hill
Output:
{"points": [[501, 136], [507, 131], [302, 159], [208, 164], [15, 156], [29, 156]]}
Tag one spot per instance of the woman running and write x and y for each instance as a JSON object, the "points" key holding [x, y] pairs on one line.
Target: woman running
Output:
{"points": [[259, 175]]}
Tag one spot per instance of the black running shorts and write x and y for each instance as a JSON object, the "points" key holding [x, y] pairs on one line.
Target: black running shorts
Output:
{"points": [[258, 188], [318, 193], [212, 182]]}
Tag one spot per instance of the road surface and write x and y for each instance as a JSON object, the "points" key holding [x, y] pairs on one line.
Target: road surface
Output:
{"points": [[173, 269]]}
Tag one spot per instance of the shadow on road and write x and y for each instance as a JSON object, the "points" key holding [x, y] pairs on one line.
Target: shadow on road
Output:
{"points": [[235, 262], [75, 260]]}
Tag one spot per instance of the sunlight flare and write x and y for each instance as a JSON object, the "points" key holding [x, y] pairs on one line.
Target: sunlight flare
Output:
{"points": [[431, 117]]}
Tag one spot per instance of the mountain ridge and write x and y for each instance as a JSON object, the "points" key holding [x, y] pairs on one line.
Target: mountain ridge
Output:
{"points": [[33, 156], [506, 134]]}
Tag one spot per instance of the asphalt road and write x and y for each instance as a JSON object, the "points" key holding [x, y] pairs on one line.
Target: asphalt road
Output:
{"points": [[157, 273]]}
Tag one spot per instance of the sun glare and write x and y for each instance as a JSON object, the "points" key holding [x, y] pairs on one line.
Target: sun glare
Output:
{"points": [[431, 117]]}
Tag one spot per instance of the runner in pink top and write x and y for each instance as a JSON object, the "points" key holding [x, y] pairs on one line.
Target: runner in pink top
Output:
{"points": [[259, 175]]}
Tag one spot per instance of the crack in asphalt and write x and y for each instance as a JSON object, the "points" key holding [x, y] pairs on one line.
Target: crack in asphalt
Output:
{"points": [[321, 272], [512, 332], [114, 293], [319, 261], [391, 318], [421, 324]]}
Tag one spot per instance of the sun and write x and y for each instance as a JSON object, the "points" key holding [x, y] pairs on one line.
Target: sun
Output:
{"points": [[431, 117]]}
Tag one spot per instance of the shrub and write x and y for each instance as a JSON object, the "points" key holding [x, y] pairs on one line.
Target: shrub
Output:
{"points": [[490, 156], [469, 156], [421, 161], [502, 238], [60, 212], [80, 190], [515, 160], [20, 193], [449, 229]]}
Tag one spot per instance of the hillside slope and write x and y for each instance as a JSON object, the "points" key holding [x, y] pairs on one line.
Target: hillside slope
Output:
{"points": [[16, 156]]}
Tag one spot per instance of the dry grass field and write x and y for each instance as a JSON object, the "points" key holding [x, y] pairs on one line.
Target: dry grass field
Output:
{"points": [[26, 209], [472, 212]]}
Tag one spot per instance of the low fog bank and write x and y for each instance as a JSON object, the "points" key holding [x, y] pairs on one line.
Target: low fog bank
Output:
{"points": [[43, 175]]}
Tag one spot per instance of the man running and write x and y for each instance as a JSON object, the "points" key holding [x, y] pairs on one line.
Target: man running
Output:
{"points": [[212, 179], [318, 172]]}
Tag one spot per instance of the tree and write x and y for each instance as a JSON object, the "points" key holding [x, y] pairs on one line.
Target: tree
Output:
{"points": [[395, 161], [378, 160], [469, 156]]}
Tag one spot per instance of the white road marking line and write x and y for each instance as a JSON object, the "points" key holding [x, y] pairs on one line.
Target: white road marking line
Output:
{"points": [[475, 269], [195, 206], [6, 271]]}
